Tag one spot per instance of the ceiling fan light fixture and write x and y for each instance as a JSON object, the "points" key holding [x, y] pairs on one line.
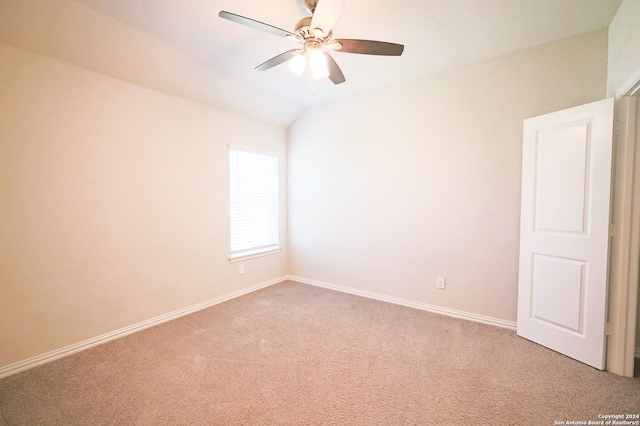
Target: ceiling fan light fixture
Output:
{"points": [[321, 73], [297, 65], [318, 64]]}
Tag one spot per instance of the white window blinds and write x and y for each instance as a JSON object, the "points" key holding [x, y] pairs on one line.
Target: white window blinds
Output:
{"points": [[254, 202]]}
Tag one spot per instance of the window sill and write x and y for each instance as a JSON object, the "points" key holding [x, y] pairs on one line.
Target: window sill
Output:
{"points": [[253, 253]]}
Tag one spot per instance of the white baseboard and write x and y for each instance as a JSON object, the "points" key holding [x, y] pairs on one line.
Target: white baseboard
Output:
{"points": [[409, 303], [116, 334]]}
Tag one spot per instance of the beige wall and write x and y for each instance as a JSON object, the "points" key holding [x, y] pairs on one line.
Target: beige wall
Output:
{"points": [[114, 204], [624, 48], [392, 188]]}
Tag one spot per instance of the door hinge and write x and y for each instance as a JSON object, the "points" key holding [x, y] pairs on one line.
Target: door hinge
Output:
{"points": [[619, 128], [613, 230], [608, 329]]}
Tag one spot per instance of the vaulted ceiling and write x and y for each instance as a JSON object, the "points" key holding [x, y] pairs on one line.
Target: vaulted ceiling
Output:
{"points": [[438, 35]]}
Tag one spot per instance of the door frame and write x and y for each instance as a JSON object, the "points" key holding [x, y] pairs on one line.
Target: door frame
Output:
{"points": [[624, 263]]}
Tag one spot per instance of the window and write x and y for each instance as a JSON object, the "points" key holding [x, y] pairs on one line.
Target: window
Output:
{"points": [[254, 203]]}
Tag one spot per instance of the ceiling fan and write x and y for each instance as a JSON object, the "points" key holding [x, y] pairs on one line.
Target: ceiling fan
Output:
{"points": [[314, 33]]}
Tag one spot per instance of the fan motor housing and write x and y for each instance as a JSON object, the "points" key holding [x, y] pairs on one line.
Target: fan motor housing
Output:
{"points": [[303, 30], [304, 22]]}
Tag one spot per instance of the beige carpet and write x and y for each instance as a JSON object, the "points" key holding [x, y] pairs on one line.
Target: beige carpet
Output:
{"points": [[296, 354]]}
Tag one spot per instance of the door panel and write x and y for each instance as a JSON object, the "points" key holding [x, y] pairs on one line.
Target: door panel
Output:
{"points": [[564, 230], [560, 178], [558, 292]]}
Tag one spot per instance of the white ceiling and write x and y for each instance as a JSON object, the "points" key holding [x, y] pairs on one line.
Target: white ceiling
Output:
{"points": [[437, 34], [183, 48]]}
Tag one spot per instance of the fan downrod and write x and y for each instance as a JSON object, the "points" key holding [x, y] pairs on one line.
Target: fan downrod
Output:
{"points": [[310, 5]]}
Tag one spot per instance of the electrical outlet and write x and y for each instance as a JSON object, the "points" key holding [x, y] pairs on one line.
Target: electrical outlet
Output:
{"points": [[440, 283], [241, 269]]}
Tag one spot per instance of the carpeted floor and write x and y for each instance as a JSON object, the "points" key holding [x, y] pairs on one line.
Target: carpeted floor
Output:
{"points": [[300, 355]]}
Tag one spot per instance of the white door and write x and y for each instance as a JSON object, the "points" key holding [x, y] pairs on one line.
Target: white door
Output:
{"points": [[564, 230]]}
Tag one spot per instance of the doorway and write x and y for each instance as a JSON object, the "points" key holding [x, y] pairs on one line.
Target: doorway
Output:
{"points": [[624, 272]]}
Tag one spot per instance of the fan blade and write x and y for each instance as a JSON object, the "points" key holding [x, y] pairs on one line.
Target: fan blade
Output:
{"points": [[326, 14], [277, 60], [255, 24], [369, 47], [335, 73]]}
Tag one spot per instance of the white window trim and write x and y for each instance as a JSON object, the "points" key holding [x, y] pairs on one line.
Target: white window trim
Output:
{"points": [[242, 255]]}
